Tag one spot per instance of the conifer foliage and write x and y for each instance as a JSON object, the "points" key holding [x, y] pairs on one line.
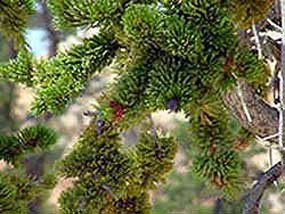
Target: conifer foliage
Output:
{"points": [[14, 16], [111, 178], [17, 189], [169, 55]]}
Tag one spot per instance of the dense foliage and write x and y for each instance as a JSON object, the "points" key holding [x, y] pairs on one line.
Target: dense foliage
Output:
{"points": [[171, 55], [17, 189]]}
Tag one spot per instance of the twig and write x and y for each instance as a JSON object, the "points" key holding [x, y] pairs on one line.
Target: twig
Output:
{"points": [[109, 191], [269, 137], [273, 24], [268, 144], [244, 106], [153, 131], [257, 41], [252, 199]]}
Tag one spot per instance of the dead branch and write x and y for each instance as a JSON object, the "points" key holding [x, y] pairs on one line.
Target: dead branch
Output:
{"points": [[253, 198]]}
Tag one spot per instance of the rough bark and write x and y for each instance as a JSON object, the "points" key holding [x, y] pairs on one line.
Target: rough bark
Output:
{"points": [[254, 196], [53, 34], [264, 117]]}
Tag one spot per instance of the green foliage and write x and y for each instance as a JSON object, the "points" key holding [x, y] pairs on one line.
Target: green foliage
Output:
{"points": [[169, 55], [17, 188], [14, 15], [75, 13], [177, 40], [84, 13], [8, 194], [245, 65], [128, 92], [13, 148], [63, 78], [111, 178], [145, 33], [185, 192], [100, 159], [216, 158], [19, 70], [155, 158], [171, 80], [141, 24], [250, 11], [58, 81]]}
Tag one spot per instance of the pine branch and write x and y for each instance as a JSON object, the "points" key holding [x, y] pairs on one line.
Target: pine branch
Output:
{"points": [[14, 17], [19, 69], [177, 58], [257, 10], [68, 73], [28, 140], [86, 13], [253, 198]]}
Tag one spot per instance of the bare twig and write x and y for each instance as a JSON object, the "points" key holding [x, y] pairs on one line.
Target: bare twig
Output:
{"points": [[109, 191], [267, 144], [257, 41], [252, 199], [244, 106], [273, 24], [270, 154], [243, 103], [269, 137], [153, 130]]}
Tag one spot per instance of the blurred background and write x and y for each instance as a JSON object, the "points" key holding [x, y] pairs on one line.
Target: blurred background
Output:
{"points": [[182, 192]]}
